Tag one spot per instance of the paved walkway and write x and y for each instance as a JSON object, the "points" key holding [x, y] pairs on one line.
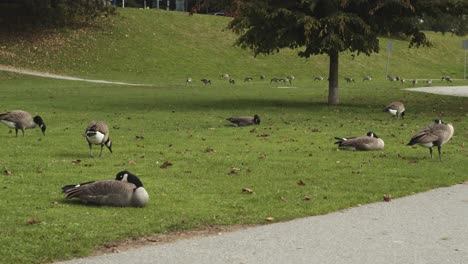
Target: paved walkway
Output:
{"points": [[445, 90], [426, 228], [62, 77]]}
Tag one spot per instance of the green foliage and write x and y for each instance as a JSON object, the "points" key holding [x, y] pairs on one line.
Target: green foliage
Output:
{"points": [[38, 13]]}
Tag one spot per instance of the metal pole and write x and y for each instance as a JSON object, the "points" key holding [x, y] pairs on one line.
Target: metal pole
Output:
{"points": [[123, 3], [388, 63], [168, 5], [464, 74], [157, 4]]}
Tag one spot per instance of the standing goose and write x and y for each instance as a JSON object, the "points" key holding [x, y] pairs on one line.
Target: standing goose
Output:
{"points": [[244, 120], [368, 142], [22, 120], [125, 190], [397, 109], [434, 135], [97, 133]]}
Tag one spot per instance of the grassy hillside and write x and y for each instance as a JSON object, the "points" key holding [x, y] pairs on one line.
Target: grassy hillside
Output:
{"points": [[185, 125], [155, 46]]}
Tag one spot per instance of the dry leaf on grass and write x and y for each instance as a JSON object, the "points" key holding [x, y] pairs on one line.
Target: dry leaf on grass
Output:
{"points": [[387, 197], [210, 150], [131, 162], [301, 183], [78, 161], [307, 198], [247, 190], [269, 219], [33, 221], [165, 165]]}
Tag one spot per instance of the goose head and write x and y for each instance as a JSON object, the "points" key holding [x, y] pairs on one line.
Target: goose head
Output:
{"points": [[438, 121], [256, 119], [372, 134], [129, 177], [38, 120]]}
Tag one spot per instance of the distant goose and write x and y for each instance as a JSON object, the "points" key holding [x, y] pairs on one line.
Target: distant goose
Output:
{"points": [[367, 78], [188, 81], [349, 79], [397, 109], [97, 133], [206, 81], [248, 79], [125, 190], [368, 142], [414, 82], [318, 78], [232, 81], [22, 120], [244, 120], [434, 135]]}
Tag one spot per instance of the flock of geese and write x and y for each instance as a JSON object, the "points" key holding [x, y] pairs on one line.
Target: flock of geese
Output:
{"points": [[431, 136], [127, 189]]}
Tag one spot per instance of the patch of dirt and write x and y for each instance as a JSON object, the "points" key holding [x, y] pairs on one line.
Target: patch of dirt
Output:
{"points": [[126, 244]]}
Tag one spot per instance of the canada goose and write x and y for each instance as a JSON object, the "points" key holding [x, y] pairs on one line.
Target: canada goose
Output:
{"points": [[232, 81], [414, 82], [429, 82], [434, 135], [318, 78], [206, 81], [244, 120], [274, 80], [349, 79], [125, 190], [397, 109], [262, 77], [97, 133], [367, 78], [188, 81], [248, 79], [18, 119], [368, 142]]}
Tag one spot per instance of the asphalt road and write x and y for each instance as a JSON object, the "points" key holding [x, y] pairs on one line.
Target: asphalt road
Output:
{"points": [[425, 228]]}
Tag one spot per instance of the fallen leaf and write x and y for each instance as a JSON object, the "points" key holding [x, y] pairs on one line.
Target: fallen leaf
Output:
{"points": [[315, 130], [131, 162], [301, 183], [210, 150], [284, 199], [139, 137], [165, 165], [247, 190], [307, 198], [262, 156], [33, 221], [269, 219], [263, 135], [387, 197], [78, 161]]}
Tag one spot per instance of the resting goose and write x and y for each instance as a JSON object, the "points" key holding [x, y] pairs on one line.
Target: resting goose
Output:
{"points": [[244, 120], [368, 142], [125, 191]]}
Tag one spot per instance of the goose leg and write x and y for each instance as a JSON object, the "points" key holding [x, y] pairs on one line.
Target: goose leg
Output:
{"points": [[439, 149], [430, 150], [16, 130], [100, 153], [90, 150], [22, 130]]}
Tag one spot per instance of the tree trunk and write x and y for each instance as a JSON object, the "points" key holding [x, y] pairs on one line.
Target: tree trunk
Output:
{"points": [[333, 98]]}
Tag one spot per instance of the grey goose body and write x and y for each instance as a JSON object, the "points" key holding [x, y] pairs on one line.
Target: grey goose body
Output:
{"points": [[22, 120], [244, 120], [126, 190], [368, 142], [397, 109], [97, 133], [434, 135]]}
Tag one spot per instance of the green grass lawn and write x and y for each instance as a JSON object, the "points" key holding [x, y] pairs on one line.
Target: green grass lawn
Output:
{"points": [[171, 122], [178, 124]]}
